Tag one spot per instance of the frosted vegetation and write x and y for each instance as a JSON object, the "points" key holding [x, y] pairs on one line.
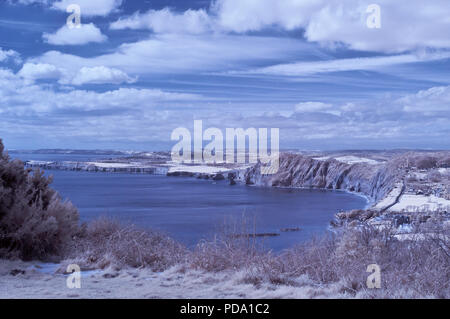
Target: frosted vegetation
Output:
{"points": [[34, 221], [35, 224]]}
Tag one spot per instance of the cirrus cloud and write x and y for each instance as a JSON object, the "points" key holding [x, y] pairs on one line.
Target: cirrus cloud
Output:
{"points": [[349, 64]]}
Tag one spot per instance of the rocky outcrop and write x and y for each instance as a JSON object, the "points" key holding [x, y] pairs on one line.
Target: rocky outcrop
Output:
{"points": [[374, 181], [98, 167]]}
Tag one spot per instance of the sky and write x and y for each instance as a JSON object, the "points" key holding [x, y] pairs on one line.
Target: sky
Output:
{"points": [[134, 71]]}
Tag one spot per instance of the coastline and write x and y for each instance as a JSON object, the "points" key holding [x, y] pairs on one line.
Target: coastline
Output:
{"points": [[355, 175], [369, 201]]}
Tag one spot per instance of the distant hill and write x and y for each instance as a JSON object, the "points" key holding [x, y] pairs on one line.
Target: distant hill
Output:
{"points": [[75, 152]]}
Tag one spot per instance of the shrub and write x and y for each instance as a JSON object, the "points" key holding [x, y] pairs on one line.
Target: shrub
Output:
{"points": [[425, 162], [107, 243], [434, 176], [34, 221], [234, 247], [418, 265], [444, 161]]}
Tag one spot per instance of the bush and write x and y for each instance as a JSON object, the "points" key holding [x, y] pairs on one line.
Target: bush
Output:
{"points": [[425, 162], [434, 176], [234, 247], [444, 162], [417, 267], [34, 221], [419, 264], [107, 243]]}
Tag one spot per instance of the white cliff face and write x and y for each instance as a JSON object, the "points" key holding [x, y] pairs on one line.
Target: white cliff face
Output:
{"points": [[372, 180], [391, 185]]}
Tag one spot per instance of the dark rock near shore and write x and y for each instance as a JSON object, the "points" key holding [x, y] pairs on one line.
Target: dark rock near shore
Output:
{"points": [[289, 230], [16, 272], [181, 174], [218, 177], [257, 235]]}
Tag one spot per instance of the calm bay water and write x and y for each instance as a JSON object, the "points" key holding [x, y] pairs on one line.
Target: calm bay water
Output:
{"points": [[190, 210]]}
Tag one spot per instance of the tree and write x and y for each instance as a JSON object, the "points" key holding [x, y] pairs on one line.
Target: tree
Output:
{"points": [[34, 221]]}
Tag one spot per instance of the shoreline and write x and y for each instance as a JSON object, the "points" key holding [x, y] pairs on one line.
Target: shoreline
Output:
{"points": [[368, 199], [356, 177]]}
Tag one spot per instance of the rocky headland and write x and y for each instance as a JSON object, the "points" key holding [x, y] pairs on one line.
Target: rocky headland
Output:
{"points": [[401, 186]]}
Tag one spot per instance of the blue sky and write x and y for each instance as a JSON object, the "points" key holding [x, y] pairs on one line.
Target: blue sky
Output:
{"points": [[136, 70]]}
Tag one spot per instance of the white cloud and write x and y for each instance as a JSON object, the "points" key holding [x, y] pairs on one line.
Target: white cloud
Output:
{"points": [[10, 54], [31, 72], [87, 33], [90, 7], [413, 26], [84, 116], [17, 94], [101, 74], [416, 25], [330, 22], [435, 100], [36, 71], [166, 21], [249, 15], [28, 2], [307, 107], [351, 64], [170, 53], [422, 118], [141, 115]]}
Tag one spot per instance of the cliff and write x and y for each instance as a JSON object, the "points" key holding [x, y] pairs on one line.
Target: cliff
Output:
{"points": [[391, 180], [374, 181]]}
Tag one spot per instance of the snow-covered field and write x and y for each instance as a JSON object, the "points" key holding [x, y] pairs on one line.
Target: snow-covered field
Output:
{"points": [[350, 159], [114, 165], [410, 203], [390, 198]]}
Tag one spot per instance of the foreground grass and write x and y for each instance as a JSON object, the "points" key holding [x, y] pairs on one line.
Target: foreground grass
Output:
{"points": [[415, 268]]}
